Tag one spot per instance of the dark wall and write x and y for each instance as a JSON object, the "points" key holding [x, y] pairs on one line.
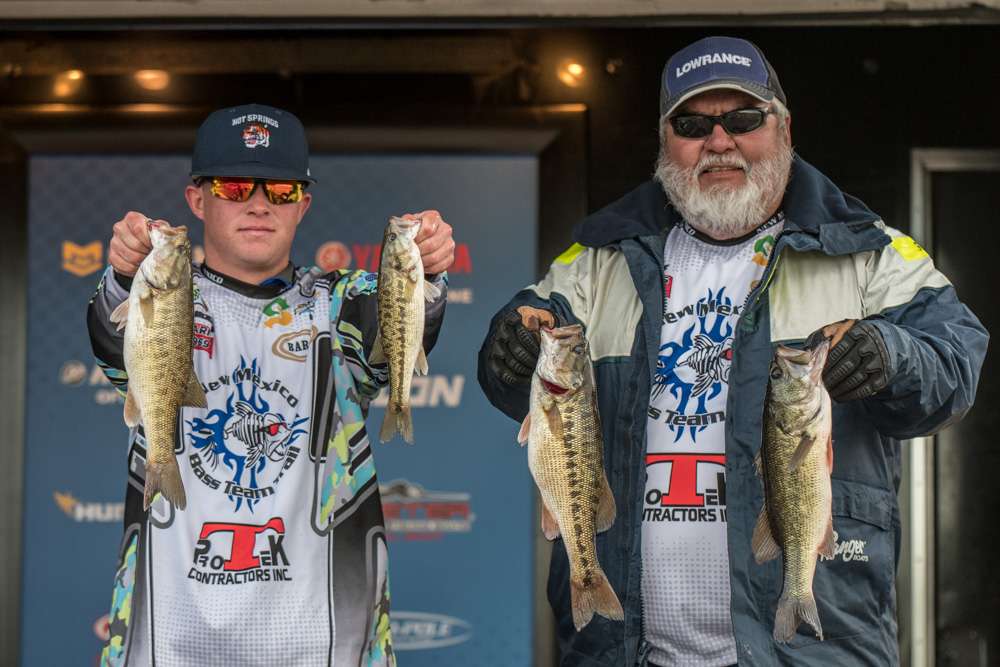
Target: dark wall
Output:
{"points": [[861, 97]]}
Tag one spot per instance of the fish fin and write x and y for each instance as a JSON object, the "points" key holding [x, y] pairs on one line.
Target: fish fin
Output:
{"points": [[801, 451], [758, 462], [421, 366], [599, 598], [555, 421], [194, 395], [702, 384], [791, 612], [829, 452], [146, 308], [133, 415], [763, 544], [550, 527], [606, 509], [164, 478], [377, 355], [525, 431], [829, 544], [397, 420], [431, 291], [119, 315]]}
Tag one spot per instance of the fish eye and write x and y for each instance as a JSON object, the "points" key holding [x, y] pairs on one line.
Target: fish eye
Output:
{"points": [[392, 236], [775, 372], [578, 349]]}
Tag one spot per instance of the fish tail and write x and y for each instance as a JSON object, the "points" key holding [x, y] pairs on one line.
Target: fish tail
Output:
{"points": [[164, 478], [791, 612], [597, 598], [397, 419]]}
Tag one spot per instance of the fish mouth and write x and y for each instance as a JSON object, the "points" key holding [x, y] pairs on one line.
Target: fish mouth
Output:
{"points": [[564, 332], [553, 388]]}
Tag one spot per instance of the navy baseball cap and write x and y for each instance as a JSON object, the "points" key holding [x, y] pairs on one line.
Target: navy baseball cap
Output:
{"points": [[717, 62], [252, 140]]}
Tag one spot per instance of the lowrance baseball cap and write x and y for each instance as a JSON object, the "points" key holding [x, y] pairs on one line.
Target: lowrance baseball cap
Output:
{"points": [[717, 62], [252, 140]]}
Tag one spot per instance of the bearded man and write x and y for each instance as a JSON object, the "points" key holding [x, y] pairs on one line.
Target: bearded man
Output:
{"points": [[685, 286]]}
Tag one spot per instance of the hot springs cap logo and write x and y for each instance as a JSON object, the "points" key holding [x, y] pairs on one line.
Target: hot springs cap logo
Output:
{"points": [[694, 370], [256, 135], [249, 445]]}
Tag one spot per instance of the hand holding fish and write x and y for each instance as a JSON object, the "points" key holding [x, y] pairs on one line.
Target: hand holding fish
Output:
{"points": [[858, 363], [434, 240], [130, 243]]}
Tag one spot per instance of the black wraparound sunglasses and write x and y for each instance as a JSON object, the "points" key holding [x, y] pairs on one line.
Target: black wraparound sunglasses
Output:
{"points": [[737, 121]]}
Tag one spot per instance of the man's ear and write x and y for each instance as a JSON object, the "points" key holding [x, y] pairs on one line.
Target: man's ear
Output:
{"points": [[195, 197]]}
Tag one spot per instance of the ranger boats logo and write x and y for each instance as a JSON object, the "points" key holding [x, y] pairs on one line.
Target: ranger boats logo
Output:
{"points": [[417, 630], [245, 449], [412, 512]]}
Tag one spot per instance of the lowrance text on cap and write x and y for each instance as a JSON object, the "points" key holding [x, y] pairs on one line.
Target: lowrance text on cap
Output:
{"points": [[717, 62]]}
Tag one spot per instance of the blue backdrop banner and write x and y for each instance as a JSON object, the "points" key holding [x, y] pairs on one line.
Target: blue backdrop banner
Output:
{"points": [[458, 503]]}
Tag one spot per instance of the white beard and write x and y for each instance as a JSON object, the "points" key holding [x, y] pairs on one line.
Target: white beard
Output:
{"points": [[721, 211]]}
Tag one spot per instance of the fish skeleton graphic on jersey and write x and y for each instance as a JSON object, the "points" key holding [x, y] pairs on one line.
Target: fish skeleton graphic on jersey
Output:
{"points": [[695, 368]]}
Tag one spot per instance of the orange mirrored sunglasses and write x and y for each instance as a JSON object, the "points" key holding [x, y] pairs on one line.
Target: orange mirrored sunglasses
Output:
{"points": [[241, 189]]}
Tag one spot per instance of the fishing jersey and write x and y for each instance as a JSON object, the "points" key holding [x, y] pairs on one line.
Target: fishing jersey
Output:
{"points": [[280, 554], [685, 563]]}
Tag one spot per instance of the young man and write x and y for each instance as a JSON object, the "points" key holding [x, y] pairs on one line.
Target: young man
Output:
{"points": [[280, 554], [684, 286]]}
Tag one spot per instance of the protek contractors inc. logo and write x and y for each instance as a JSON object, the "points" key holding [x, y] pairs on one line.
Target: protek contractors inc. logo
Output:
{"points": [[256, 135], [429, 391], [240, 553], [334, 255], [417, 630], [294, 345], [82, 260], [676, 496], [712, 59], [848, 550], [88, 512], [695, 368], [244, 450], [74, 373], [414, 513]]}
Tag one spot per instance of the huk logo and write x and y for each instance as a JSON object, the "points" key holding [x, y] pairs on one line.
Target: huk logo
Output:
{"points": [[277, 312], [81, 260], [848, 550], [248, 442], [294, 345], [256, 135], [680, 500], [238, 553], [88, 512]]}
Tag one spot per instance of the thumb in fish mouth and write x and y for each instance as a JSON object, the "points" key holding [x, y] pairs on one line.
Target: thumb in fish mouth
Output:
{"points": [[535, 318]]}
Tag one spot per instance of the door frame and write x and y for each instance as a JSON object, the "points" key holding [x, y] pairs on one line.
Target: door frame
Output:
{"points": [[917, 574]]}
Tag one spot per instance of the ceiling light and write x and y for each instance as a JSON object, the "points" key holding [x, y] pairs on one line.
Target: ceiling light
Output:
{"points": [[571, 73], [152, 79]]}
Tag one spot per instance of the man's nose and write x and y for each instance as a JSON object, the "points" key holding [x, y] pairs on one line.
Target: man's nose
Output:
{"points": [[719, 141], [258, 203]]}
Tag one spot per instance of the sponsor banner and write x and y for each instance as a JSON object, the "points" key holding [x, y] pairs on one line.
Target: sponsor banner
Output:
{"points": [[446, 521]]}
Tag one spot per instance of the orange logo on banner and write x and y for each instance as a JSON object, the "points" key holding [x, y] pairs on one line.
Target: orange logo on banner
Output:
{"points": [[81, 260]]}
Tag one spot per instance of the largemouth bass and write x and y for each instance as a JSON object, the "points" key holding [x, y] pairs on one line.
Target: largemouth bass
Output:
{"points": [[158, 320], [402, 293], [565, 455], [796, 460]]}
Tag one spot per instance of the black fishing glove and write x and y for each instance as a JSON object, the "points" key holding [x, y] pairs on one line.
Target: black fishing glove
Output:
{"points": [[514, 351], [858, 366]]}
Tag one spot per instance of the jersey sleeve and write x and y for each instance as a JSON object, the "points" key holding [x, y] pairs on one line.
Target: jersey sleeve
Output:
{"points": [[105, 340]]}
